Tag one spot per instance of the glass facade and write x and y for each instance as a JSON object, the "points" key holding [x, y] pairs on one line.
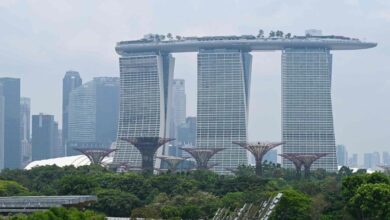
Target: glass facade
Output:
{"points": [[44, 130], [145, 97], [223, 101], [70, 81], [93, 114], [307, 119], [12, 146], [2, 104]]}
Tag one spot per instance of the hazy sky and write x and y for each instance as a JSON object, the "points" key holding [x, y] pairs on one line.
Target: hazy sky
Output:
{"points": [[40, 40]]}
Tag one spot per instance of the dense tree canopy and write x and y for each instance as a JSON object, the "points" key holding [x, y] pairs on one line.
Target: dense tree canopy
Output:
{"points": [[198, 194]]}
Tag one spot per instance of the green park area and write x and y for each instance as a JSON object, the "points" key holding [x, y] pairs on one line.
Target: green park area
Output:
{"points": [[199, 194]]}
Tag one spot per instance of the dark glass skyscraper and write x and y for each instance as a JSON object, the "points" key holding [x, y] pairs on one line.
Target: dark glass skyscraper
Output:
{"points": [[44, 131], [12, 147], [71, 81]]}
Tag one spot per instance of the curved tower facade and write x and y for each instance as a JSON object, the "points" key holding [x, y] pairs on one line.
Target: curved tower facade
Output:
{"points": [[223, 101], [145, 96], [307, 118]]}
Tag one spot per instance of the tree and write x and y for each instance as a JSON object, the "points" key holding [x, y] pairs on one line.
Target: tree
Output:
{"points": [[351, 183], [191, 212], [169, 212], [272, 34], [260, 34], [76, 185], [288, 35], [178, 37], [12, 188], [279, 33], [169, 36], [233, 200], [371, 201], [343, 172], [293, 205], [116, 203], [145, 212]]}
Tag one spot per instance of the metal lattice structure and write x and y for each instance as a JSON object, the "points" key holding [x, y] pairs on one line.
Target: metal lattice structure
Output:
{"points": [[258, 150], [147, 146], [95, 155], [172, 161], [304, 159], [297, 163], [202, 156]]}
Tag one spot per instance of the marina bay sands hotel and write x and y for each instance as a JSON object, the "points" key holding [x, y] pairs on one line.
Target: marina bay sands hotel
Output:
{"points": [[224, 80]]}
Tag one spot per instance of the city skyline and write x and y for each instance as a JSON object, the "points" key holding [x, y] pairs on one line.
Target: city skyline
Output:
{"points": [[369, 82]]}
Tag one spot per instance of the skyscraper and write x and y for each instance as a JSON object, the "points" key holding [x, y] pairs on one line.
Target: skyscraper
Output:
{"points": [[368, 163], [44, 130], [71, 81], [342, 155], [307, 118], [353, 161], [12, 147], [386, 158], [224, 66], [25, 138], [2, 107], [93, 114], [145, 89], [178, 104], [223, 102]]}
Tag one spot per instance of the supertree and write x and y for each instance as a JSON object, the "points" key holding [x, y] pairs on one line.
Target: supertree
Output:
{"points": [[297, 163], [202, 156], [172, 161], [258, 150], [305, 159], [95, 155], [147, 146]]}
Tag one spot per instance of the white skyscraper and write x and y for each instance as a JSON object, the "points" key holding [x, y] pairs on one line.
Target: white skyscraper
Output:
{"points": [[307, 117], [145, 98], [223, 101]]}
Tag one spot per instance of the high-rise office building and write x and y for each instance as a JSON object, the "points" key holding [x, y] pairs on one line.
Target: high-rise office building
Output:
{"points": [[58, 147], [44, 130], [2, 107], [386, 158], [223, 101], [342, 155], [12, 147], [368, 163], [145, 89], [70, 81], [307, 118], [93, 114], [25, 138], [376, 160], [353, 161], [178, 107]]}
